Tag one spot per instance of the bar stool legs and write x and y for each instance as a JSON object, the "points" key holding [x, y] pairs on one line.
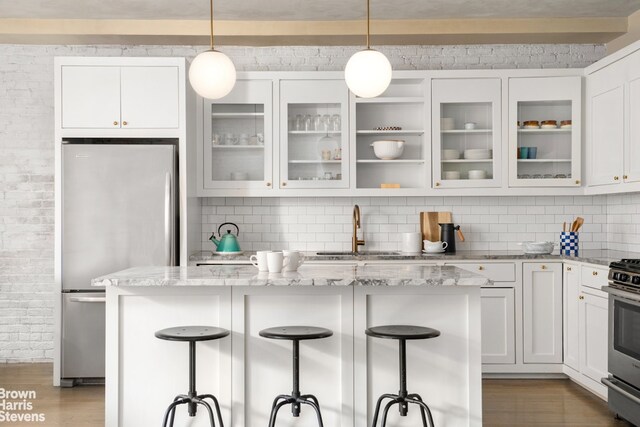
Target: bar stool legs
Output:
{"points": [[403, 398], [295, 399]]}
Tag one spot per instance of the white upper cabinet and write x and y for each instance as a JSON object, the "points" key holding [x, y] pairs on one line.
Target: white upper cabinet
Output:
{"points": [[466, 133], [606, 124], [314, 137], [544, 131], [236, 152], [120, 97], [632, 141], [90, 97]]}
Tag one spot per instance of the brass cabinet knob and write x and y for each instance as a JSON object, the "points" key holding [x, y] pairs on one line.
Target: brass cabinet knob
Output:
{"points": [[124, 123], [616, 178], [480, 268], [581, 297], [625, 176], [568, 268], [115, 123], [577, 182], [268, 184], [284, 184], [595, 273], [544, 267], [437, 184]]}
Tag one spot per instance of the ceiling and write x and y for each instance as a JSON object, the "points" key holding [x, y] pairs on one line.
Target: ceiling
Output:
{"points": [[307, 22], [308, 10]]}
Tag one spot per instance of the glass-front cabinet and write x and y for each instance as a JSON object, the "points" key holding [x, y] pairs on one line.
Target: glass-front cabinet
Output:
{"points": [[544, 131], [466, 132], [237, 130], [314, 123]]}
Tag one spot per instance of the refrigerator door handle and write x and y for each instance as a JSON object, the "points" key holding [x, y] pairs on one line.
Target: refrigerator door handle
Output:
{"points": [[88, 299], [167, 220]]}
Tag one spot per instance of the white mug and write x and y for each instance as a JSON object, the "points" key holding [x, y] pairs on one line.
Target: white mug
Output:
{"points": [[293, 259], [260, 260], [275, 262], [411, 242], [430, 246], [470, 125]]}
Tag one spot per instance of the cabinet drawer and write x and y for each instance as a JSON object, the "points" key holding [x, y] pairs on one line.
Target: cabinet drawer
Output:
{"points": [[594, 277], [498, 272]]}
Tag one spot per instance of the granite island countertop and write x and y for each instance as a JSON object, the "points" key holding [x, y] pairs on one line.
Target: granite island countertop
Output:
{"points": [[307, 275], [592, 256]]}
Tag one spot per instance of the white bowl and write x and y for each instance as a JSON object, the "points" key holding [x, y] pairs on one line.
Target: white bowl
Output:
{"points": [[477, 174], [451, 175], [477, 154], [388, 149], [450, 154], [537, 247]]}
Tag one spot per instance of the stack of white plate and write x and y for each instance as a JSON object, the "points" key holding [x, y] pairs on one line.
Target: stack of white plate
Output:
{"points": [[478, 154], [450, 154]]}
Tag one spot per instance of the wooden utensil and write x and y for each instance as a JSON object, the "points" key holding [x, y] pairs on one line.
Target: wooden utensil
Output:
{"points": [[564, 227], [429, 224], [578, 223]]}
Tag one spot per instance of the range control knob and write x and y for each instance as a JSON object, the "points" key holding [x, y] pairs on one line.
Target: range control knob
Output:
{"points": [[623, 277], [615, 276], [635, 280]]}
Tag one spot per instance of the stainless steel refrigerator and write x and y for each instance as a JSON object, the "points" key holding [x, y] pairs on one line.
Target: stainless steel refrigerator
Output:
{"points": [[118, 211]]}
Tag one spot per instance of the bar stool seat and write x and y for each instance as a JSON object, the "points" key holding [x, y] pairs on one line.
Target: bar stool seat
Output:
{"points": [[192, 399], [295, 399], [402, 333]]}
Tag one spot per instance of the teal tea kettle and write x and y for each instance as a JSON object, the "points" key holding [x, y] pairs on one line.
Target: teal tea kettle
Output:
{"points": [[227, 242]]}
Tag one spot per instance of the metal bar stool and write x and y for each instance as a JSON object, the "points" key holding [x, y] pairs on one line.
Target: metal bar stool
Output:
{"points": [[402, 333], [295, 334], [192, 399]]}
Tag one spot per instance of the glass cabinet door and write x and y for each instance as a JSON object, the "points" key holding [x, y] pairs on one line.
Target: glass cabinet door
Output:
{"points": [[238, 137], [466, 133], [314, 149], [544, 131]]}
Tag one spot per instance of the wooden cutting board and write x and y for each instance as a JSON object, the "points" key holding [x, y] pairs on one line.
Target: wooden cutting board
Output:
{"points": [[429, 224]]}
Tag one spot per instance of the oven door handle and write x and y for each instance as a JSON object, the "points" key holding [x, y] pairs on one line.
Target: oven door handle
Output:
{"points": [[612, 384], [629, 296]]}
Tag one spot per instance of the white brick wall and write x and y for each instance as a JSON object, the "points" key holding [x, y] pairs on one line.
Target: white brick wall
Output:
{"points": [[26, 166], [623, 222], [489, 223]]}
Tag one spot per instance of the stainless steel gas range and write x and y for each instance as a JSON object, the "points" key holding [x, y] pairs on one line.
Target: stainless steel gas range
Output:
{"points": [[624, 339]]}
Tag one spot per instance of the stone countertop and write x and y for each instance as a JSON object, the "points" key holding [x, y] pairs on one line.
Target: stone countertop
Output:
{"points": [[598, 257], [307, 275]]}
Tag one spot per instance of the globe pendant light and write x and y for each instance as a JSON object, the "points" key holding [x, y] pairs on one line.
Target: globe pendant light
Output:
{"points": [[212, 74], [368, 72]]}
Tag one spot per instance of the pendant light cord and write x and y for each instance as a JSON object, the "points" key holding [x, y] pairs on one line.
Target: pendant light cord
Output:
{"points": [[211, 21], [368, 21]]}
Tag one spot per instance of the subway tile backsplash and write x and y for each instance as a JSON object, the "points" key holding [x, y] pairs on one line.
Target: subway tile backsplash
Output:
{"points": [[324, 223]]}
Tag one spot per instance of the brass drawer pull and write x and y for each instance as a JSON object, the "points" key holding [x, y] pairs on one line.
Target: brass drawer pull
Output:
{"points": [[115, 123], [581, 297], [544, 267], [480, 268], [595, 273], [568, 268]]}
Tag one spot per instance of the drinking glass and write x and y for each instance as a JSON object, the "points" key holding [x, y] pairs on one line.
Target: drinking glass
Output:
{"points": [[336, 124], [298, 122], [308, 122]]}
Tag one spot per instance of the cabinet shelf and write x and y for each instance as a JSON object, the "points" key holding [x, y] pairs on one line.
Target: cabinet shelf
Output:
{"points": [[468, 161], [314, 132], [235, 115], [534, 131], [391, 100], [389, 132], [544, 160], [237, 147], [310, 162], [466, 131], [390, 161]]}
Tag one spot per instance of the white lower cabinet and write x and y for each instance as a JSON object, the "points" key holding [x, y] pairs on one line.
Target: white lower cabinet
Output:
{"points": [[542, 312], [498, 325], [594, 311], [571, 300]]}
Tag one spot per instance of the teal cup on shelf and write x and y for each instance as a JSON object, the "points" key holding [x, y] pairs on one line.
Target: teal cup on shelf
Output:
{"points": [[524, 152], [533, 153]]}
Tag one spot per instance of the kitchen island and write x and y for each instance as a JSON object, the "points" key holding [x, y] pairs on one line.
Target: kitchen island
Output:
{"points": [[347, 372]]}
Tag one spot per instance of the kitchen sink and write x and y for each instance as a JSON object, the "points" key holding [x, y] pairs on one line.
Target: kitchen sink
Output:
{"points": [[349, 253]]}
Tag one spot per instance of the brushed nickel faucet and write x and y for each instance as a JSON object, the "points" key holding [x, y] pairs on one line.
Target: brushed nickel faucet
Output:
{"points": [[355, 242]]}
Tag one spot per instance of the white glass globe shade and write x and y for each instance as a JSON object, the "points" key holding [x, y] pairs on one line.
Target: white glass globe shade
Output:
{"points": [[368, 73], [212, 74]]}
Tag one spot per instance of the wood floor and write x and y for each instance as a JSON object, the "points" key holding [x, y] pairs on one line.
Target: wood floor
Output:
{"points": [[506, 402]]}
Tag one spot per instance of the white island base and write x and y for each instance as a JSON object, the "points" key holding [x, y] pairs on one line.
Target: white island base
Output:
{"points": [[347, 372]]}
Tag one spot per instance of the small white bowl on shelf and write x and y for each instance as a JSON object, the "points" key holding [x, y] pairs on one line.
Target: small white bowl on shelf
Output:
{"points": [[477, 174], [388, 149], [448, 154]]}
